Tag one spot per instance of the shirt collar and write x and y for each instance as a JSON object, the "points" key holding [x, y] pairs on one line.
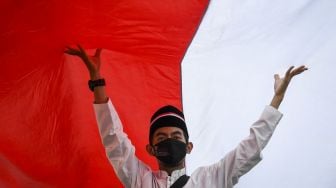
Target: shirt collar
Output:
{"points": [[178, 173], [175, 174]]}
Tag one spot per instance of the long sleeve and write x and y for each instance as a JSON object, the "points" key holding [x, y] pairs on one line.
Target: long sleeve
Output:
{"points": [[243, 158], [119, 149]]}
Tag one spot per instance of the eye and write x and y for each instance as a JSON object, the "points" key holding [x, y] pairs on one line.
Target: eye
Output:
{"points": [[177, 137], [161, 138]]}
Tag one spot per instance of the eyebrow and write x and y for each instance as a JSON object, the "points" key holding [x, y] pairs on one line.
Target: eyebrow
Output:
{"points": [[173, 133], [160, 134], [177, 133]]}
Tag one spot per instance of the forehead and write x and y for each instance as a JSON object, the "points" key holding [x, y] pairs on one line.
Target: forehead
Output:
{"points": [[168, 130]]}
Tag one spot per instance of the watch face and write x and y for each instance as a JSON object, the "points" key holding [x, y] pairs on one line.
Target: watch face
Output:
{"points": [[91, 85]]}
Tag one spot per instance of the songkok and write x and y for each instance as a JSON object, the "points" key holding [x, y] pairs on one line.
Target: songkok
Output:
{"points": [[167, 116]]}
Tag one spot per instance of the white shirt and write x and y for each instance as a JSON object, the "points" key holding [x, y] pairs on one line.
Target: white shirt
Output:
{"points": [[133, 173]]}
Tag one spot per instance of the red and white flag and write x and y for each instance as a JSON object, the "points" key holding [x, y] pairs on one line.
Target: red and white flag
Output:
{"points": [[215, 60]]}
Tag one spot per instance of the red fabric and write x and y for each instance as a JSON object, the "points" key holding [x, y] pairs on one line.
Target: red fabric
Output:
{"points": [[49, 136]]}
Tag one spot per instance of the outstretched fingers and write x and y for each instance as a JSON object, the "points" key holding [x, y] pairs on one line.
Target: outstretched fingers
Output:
{"points": [[84, 55], [82, 51], [72, 51], [92, 62], [299, 70], [291, 72], [288, 73]]}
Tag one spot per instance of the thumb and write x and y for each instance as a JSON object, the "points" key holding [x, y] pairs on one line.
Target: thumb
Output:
{"points": [[98, 52], [276, 77]]}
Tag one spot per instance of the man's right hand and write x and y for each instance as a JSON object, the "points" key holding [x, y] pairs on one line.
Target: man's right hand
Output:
{"points": [[92, 62], [93, 65]]}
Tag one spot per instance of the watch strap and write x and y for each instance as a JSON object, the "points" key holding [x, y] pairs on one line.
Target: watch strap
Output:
{"points": [[94, 83]]}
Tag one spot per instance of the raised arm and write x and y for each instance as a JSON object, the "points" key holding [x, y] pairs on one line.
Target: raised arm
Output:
{"points": [[247, 154], [119, 149]]}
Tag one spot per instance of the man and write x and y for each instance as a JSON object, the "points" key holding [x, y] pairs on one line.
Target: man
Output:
{"points": [[169, 139]]}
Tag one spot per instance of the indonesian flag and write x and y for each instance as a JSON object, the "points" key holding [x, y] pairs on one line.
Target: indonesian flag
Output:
{"points": [[215, 60]]}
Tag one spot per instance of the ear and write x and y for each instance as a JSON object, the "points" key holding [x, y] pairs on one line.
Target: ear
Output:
{"points": [[189, 147], [150, 150]]}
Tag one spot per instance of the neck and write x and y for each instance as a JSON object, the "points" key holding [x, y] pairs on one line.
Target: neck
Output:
{"points": [[171, 169]]}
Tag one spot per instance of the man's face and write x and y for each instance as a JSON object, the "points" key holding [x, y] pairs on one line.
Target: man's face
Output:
{"points": [[168, 132], [164, 133]]}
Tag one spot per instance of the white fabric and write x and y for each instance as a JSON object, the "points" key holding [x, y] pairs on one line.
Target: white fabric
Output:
{"points": [[225, 173], [227, 76]]}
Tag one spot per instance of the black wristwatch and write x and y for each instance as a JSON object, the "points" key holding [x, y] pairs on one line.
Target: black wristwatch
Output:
{"points": [[95, 83]]}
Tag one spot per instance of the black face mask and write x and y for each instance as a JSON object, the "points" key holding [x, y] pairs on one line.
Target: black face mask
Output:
{"points": [[170, 151]]}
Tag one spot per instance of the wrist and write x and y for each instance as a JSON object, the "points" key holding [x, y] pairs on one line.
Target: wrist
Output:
{"points": [[95, 76], [276, 101], [279, 97]]}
